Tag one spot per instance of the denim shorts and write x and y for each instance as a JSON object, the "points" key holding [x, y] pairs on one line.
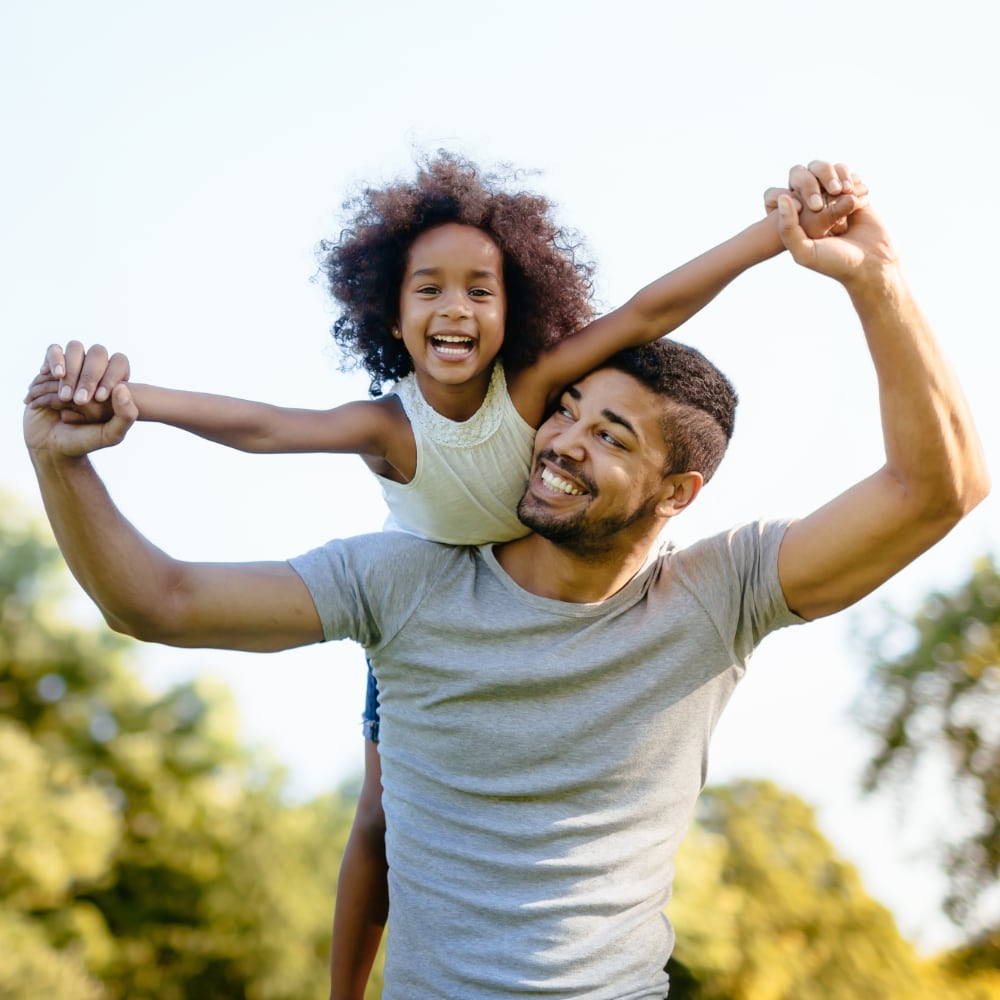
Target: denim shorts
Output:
{"points": [[369, 718]]}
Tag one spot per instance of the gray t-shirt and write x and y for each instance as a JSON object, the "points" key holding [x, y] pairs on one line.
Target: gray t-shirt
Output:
{"points": [[541, 759]]}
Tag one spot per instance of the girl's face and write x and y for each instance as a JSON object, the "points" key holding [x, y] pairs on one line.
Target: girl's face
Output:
{"points": [[452, 307]]}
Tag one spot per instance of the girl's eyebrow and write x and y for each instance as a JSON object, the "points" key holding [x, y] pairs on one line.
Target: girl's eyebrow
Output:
{"points": [[478, 273]]}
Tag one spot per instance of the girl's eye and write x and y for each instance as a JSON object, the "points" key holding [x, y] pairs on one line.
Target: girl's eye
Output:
{"points": [[427, 290], [480, 293]]}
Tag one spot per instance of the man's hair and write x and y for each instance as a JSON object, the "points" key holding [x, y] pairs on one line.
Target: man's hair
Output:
{"points": [[548, 289], [700, 413]]}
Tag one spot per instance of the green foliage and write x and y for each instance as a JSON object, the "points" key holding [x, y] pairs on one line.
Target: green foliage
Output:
{"points": [[764, 909], [31, 968], [974, 968], [143, 852], [934, 691]]}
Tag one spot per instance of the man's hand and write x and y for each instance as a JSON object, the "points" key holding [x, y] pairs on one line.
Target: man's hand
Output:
{"points": [[863, 250], [64, 416]]}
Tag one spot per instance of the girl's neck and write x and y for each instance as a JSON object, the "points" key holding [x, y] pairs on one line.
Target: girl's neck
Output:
{"points": [[456, 402]]}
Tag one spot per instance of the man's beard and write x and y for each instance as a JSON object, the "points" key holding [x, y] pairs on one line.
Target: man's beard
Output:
{"points": [[579, 532]]}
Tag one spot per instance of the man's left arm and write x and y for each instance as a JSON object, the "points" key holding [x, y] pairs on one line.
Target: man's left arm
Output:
{"points": [[934, 471], [141, 590]]}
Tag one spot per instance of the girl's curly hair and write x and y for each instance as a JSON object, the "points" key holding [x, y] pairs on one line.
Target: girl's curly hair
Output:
{"points": [[548, 288]]}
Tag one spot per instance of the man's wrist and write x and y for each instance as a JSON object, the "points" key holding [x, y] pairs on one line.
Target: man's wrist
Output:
{"points": [[876, 283], [55, 463]]}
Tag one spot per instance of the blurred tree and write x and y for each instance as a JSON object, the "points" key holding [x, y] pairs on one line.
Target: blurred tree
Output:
{"points": [[975, 968], [934, 693], [143, 852], [765, 910]]}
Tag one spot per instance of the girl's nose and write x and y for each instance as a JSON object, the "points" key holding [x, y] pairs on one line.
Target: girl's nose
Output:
{"points": [[453, 306]]}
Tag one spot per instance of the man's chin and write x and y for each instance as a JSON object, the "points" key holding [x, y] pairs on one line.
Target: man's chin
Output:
{"points": [[566, 531]]}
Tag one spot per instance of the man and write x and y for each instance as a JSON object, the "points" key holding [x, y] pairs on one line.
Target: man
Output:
{"points": [[547, 704]]}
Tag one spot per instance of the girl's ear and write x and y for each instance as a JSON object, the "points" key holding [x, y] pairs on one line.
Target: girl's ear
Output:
{"points": [[396, 332]]}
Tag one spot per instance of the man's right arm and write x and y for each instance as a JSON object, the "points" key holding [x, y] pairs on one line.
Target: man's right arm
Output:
{"points": [[140, 590]]}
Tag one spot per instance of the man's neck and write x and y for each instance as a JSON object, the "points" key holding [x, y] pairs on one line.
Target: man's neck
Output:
{"points": [[548, 570]]}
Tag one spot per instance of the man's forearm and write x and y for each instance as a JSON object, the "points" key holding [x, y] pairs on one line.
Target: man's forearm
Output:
{"points": [[931, 443]]}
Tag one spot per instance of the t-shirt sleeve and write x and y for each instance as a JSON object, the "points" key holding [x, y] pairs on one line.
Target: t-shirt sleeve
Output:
{"points": [[735, 577], [365, 587]]}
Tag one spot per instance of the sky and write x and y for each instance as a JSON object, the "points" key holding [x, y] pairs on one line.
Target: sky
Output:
{"points": [[169, 169]]}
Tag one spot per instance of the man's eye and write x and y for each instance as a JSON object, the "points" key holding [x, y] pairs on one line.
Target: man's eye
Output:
{"points": [[610, 439]]}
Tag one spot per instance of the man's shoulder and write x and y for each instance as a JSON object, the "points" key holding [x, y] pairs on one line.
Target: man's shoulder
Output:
{"points": [[740, 549]]}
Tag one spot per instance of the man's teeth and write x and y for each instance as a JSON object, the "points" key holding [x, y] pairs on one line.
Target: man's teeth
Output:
{"points": [[461, 345], [555, 482]]}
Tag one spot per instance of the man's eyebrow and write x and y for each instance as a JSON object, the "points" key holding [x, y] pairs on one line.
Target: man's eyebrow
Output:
{"points": [[615, 418]]}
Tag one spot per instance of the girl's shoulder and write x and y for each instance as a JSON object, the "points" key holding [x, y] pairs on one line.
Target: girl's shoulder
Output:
{"points": [[396, 457]]}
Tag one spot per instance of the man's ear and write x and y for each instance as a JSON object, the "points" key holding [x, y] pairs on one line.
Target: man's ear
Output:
{"points": [[679, 489]]}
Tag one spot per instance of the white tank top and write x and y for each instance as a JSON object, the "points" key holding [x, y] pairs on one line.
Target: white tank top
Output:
{"points": [[470, 475]]}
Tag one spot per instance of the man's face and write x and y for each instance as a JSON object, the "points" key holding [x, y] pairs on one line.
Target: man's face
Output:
{"points": [[599, 464]]}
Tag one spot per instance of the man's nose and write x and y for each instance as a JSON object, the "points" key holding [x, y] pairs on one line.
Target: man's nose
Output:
{"points": [[570, 442]]}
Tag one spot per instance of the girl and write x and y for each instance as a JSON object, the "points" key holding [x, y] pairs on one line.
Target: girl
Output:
{"points": [[470, 299]]}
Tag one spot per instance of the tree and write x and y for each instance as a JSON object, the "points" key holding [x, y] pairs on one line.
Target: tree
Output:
{"points": [[933, 691], [765, 910], [143, 852]]}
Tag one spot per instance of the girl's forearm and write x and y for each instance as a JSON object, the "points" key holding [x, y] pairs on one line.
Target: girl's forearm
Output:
{"points": [[676, 297], [238, 423]]}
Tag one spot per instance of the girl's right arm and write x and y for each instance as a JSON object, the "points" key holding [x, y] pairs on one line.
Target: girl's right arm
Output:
{"points": [[357, 427], [74, 382]]}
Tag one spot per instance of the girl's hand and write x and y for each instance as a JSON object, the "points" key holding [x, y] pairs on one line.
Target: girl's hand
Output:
{"points": [[862, 254], [78, 382], [826, 194]]}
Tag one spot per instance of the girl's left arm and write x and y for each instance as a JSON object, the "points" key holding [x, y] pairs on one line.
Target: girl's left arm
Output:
{"points": [[664, 305]]}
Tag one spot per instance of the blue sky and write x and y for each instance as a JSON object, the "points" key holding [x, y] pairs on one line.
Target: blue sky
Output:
{"points": [[170, 167]]}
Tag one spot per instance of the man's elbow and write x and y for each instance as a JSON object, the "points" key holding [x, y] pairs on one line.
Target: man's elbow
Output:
{"points": [[146, 626], [134, 627], [965, 492], [973, 488]]}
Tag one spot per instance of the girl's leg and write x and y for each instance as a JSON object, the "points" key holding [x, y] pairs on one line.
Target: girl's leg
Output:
{"points": [[362, 891]]}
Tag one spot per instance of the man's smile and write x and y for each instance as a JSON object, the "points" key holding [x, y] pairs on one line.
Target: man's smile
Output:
{"points": [[556, 482]]}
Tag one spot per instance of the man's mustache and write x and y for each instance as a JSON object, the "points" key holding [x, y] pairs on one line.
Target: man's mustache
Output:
{"points": [[569, 467]]}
